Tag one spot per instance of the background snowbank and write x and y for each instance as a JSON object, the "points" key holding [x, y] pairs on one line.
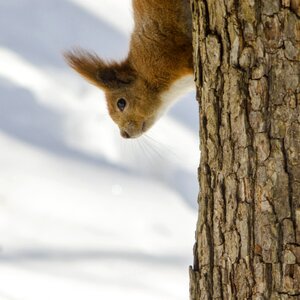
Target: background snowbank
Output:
{"points": [[85, 214]]}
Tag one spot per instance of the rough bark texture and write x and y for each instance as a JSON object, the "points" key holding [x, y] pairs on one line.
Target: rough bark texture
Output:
{"points": [[247, 59]]}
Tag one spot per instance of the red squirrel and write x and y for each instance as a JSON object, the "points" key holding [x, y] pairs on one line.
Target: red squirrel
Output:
{"points": [[157, 70]]}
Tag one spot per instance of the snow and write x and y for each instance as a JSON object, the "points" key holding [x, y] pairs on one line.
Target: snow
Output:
{"points": [[85, 214]]}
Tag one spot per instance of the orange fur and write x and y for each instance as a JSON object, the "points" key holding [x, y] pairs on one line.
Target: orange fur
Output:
{"points": [[160, 53]]}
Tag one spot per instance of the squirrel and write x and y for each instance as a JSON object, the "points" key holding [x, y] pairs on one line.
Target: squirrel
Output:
{"points": [[157, 70]]}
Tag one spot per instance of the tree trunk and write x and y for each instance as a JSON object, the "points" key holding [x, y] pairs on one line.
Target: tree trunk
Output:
{"points": [[247, 66]]}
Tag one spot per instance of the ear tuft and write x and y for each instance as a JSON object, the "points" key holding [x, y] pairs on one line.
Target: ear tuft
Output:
{"points": [[106, 76], [85, 63], [94, 69]]}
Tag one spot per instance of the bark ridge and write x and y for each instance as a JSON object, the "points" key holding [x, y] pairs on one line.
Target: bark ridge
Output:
{"points": [[247, 70]]}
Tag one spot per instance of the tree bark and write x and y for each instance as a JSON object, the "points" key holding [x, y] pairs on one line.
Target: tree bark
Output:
{"points": [[247, 68]]}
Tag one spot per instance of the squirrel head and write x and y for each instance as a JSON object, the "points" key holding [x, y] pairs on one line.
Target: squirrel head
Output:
{"points": [[132, 103]]}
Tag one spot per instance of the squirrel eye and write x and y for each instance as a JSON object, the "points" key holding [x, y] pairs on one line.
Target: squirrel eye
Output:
{"points": [[121, 104]]}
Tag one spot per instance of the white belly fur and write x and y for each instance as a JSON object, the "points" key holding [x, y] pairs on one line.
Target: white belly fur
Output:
{"points": [[178, 89]]}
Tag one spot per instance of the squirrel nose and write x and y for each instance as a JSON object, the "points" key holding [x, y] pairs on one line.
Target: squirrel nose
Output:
{"points": [[125, 134], [131, 130]]}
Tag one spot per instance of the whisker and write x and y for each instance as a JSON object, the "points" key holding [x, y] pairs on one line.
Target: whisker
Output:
{"points": [[133, 151], [147, 153], [139, 160], [161, 147], [155, 151]]}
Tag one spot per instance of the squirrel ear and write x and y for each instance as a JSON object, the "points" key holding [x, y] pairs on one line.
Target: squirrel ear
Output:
{"points": [[98, 72], [115, 75]]}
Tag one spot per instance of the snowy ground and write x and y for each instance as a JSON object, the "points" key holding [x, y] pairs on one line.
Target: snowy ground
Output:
{"points": [[85, 214]]}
